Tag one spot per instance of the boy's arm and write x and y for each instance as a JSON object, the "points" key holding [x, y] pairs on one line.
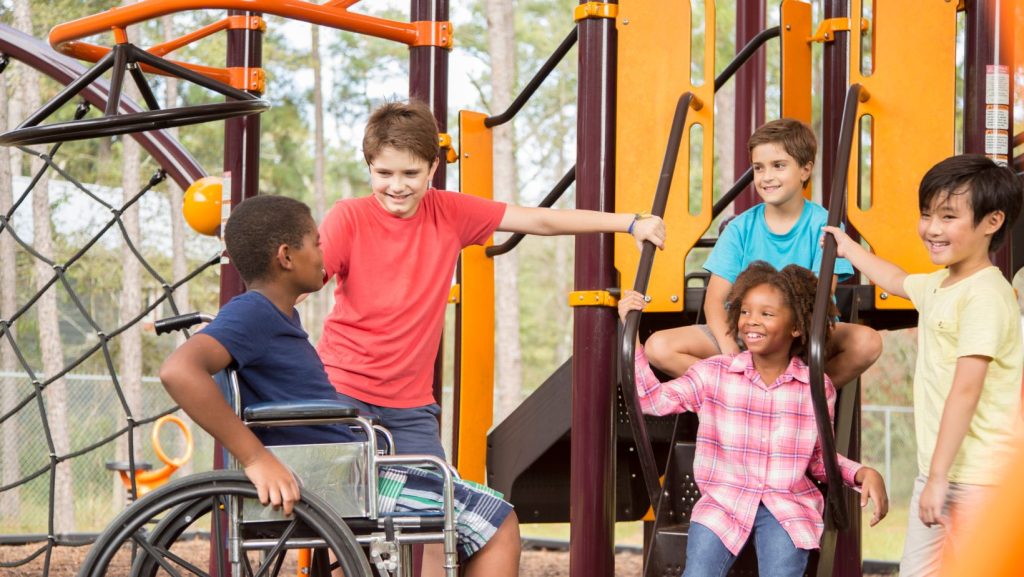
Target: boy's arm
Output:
{"points": [[716, 315], [186, 375], [881, 272], [968, 382], [548, 222]]}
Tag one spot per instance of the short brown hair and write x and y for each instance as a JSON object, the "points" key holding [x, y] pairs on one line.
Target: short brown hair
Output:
{"points": [[798, 287], [795, 137], [407, 126]]}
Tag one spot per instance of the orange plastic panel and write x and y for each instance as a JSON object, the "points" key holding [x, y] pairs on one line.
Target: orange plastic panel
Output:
{"points": [[795, 22], [476, 347], [912, 107], [653, 71]]}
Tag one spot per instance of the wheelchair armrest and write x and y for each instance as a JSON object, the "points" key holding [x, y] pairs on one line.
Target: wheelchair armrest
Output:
{"points": [[295, 410]]}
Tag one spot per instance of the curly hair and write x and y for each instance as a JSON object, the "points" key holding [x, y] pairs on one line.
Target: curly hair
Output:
{"points": [[797, 286], [258, 226]]}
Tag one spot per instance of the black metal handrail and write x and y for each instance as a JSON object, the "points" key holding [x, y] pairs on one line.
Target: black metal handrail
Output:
{"points": [[840, 515], [743, 55], [627, 373], [535, 82], [1018, 140], [552, 197]]}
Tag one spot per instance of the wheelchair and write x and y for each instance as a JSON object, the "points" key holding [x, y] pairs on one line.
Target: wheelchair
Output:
{"points": [[336, 525]]}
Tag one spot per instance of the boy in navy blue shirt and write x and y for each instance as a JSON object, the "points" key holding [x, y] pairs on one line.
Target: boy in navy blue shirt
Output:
{"points": [[274, 244]]}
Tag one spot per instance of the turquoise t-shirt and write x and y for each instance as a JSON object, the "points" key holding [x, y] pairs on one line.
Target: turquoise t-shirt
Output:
{"points": [[747, 238]]}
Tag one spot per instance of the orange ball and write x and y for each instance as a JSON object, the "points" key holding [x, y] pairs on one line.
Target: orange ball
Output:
{"points": [[202, 206]]}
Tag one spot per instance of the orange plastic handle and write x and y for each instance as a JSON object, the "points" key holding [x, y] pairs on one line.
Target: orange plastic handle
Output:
{"points": [[159, 450]]}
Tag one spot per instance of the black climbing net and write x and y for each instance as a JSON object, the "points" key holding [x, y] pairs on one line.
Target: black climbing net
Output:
{"points": [[98, 412]]}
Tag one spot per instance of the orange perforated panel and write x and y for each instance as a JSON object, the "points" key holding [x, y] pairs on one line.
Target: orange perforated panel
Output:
{"points": [[912, 90], [476, 347], [653, 71]]}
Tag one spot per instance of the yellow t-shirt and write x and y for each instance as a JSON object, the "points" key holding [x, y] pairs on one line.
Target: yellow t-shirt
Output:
{"points": [[975, 316]]}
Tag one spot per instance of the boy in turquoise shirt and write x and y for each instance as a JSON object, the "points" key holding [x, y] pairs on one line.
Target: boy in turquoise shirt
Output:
{"points": [[967, 381], [784, 229]]}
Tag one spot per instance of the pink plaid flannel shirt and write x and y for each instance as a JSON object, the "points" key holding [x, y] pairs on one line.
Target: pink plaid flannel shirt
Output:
{"points": [[755, 443]]}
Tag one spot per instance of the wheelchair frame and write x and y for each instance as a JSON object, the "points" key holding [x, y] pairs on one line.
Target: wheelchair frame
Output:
{"points": [[387, 537]]}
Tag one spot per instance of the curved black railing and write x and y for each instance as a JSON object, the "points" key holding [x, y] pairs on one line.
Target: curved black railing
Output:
{"points": [[819, 321], [535, 82], [743, 55], [627, 373], [547, 202]]}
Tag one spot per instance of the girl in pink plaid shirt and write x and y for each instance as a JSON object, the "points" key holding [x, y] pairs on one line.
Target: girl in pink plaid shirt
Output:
{"points": [[757, 439]]}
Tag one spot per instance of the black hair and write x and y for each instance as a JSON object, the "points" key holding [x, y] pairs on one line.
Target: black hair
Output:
{"points": [[797, 285], [258, 226], [992, 188]]}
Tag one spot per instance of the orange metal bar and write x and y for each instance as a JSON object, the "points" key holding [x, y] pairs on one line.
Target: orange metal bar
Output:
{"points": [[172, 45], [66, 38], [476, 346]]}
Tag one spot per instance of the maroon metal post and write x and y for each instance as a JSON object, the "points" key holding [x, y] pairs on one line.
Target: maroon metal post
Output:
{"points": [[242, 162], [836, 56], [428, 82], [241, 142], [750, 92], [592, 479], [988, 55]]}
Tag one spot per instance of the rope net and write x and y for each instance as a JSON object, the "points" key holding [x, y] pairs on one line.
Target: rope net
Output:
{"points": [[65, 409]]}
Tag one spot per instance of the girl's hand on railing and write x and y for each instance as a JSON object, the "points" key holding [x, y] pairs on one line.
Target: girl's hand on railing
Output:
{"points": [[873, 489], [650, 228], [843, 241], [630, 301]]}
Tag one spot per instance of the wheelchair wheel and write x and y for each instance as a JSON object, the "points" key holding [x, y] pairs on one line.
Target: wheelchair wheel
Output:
{"points": [[196, 505]]}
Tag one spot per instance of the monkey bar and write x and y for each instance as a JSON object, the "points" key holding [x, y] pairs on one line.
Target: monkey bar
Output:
{"points": [[66, 38]]}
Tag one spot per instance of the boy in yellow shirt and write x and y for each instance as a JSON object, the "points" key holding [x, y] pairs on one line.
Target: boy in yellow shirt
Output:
{"points": [[967, 381]]}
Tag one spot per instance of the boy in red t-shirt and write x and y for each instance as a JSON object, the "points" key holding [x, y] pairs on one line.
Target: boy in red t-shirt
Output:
{"points": [[394, 254]]}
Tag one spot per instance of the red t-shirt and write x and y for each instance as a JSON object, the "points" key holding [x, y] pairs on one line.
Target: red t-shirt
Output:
{"points": [[394, 275]]}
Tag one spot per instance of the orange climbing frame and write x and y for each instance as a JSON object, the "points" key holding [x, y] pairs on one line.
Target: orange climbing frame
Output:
{"points": [[66, 38]]}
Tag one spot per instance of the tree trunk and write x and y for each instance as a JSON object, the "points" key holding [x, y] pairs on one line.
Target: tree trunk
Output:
{"points": [[501, 46], [130, 303], [179, 260], [55, 395], [321, 299], [10, 457]]}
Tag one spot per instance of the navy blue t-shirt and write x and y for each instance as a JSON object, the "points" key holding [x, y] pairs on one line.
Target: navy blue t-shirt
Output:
{"points": [[275, 362]]}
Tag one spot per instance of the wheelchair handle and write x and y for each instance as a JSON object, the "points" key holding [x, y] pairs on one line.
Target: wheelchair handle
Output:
{"points": [[180, 322]]}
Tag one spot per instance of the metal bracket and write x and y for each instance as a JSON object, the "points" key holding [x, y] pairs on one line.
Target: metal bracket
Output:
{"points": [[827, 29], [445, 141], [455, 295], [595, 10], [252, 79], [430, 33], [592, 299], [241, 22]]}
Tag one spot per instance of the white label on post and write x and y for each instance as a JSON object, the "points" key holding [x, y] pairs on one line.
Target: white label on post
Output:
{"points": [[997, 84]]}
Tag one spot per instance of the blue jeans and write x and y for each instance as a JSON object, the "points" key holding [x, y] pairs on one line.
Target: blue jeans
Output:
{"points": [[706, 555]]}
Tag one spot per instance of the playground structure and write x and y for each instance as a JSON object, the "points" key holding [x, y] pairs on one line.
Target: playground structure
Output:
{"points": [[623, 60]]}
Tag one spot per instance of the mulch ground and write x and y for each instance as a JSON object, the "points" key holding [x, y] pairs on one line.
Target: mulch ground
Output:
{"points": [[66, 561]]}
